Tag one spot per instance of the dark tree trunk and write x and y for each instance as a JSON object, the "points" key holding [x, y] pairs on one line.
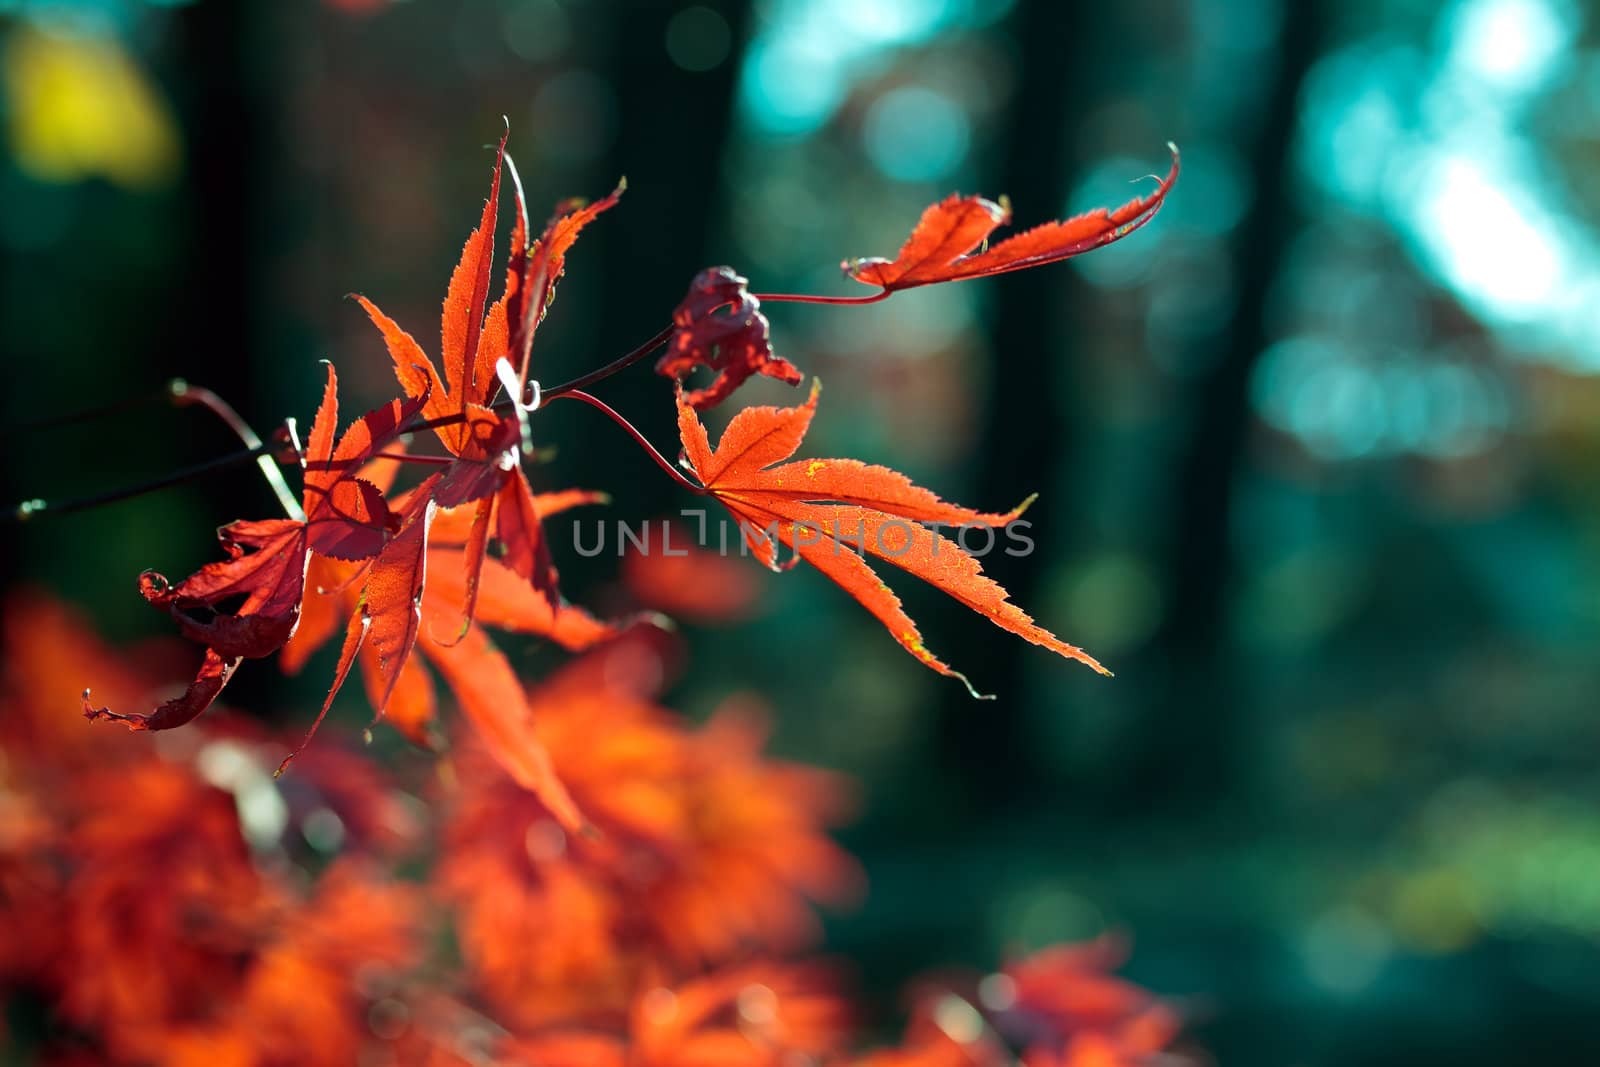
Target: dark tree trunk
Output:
{"points": [[1026, 442], [199, 323], [673, 126], [213, 324], [1191, 738], [218, 326]]}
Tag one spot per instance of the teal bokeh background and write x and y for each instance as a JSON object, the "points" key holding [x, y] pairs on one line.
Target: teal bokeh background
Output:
{"points": [[1317, 448]]}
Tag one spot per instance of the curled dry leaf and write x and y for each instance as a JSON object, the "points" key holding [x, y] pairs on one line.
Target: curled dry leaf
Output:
{"points": [[719, 325]]}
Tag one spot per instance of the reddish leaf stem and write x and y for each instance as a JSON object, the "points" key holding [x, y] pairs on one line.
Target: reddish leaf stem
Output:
{"points": [[565, 388], [583, 381], [806, 298], [639, 438]]}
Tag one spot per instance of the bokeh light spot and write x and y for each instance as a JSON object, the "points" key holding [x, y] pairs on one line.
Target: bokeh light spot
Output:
{"points": [[81, 106], [916, 134], [1114, 602], [788, 87], [892, 22], [1345, 950], [575, 116], [1513, 44], [537, 30], [1486, 243], [698, 39]]}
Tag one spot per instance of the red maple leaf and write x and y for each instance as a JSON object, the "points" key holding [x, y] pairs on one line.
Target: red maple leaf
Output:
{"points": [[345, 517], [481, 350], [942, 246], [834, 512], [385, 619], [719, 325]]}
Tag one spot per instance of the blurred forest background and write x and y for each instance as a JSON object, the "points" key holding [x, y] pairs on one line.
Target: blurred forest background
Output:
{"points": [[1317, 448]]}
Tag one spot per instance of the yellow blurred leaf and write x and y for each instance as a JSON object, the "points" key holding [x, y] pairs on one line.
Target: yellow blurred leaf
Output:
{"points": [[81, 107]]}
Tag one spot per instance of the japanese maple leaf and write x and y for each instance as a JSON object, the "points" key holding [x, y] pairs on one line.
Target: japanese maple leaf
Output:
{"points": [[345, 518], [720, 325], [946, 244], [385, 617], [482, 350], [834, 512]]}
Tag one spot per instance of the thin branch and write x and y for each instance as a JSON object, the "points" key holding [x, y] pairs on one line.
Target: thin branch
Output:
{"points": [[583, 381], [115, 407], [184, 394], [564, 389], [639, 438], [30, 508]]}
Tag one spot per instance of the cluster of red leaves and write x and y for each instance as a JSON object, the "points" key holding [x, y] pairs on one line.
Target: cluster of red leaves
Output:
{"points": [[366, 554], [701, 850], [149, 901], [624, 888], [171, 908], [359, 557], [1059, 1007]]}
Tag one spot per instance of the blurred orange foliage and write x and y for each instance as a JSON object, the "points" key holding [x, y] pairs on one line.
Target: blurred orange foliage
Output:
{"points": [[178, 905]]}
